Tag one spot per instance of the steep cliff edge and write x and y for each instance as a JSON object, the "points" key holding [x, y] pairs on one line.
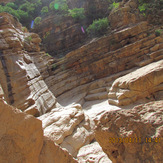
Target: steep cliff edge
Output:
{"points": [[21, 81]]}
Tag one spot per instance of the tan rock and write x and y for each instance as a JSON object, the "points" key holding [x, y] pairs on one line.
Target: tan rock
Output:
{"points": [[21, 135], [21, 80], [92, 153], [124, 16], [68, 127], [134, 135], [139, 84], [52, 152]]}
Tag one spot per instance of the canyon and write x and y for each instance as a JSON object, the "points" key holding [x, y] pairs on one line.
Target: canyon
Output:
{"points": [[101, 102]]}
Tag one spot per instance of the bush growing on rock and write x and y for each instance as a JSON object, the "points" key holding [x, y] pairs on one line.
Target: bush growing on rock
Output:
{"points": [[59, 5], [37, 20], [98, 27], [77, 13], [151, 8], [44, 10]]}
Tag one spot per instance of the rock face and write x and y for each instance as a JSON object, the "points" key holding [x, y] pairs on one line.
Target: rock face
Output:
{"points": [[92, 153], [133, 135], [21, 81], [127, 13], [21, 139], [68, 127], [52, 152], [61, 36], [143, 82], [21, 135], [104, 57]]}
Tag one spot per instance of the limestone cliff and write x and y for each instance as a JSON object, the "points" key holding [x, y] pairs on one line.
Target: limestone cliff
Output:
{"points": [[21, 81], [130, 46]]}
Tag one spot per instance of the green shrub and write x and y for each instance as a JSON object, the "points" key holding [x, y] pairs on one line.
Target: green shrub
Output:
{"points": [[77, 13], [59, 5], [150, 6], [44, 10], [98, 27], [37, 20], [158, 32], [12, 5], [28, 39], [114, 5]]}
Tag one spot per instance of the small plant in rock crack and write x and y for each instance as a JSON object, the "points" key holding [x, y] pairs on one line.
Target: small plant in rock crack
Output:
{"points": [[158, 32], [28, 39]]}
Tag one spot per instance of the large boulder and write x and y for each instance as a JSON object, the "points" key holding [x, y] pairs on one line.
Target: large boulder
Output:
{"points": [[143, 82], [135, 135], [69, 127], [22, 140], [21, 135]]}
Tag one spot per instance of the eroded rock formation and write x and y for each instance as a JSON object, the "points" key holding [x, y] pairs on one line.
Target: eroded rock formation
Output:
{"points": [[69, 127], [59, 34], [21, 81], [143, 82], [32, 81], [133, 135]]}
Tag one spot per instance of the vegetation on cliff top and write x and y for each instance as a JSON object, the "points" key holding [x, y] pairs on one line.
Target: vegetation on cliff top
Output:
{"points": [[36, 10]]}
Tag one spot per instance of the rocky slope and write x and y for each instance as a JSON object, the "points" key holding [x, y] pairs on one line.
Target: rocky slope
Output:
{"points": [[61, 33], [113, 54], [117, 64], [25, 88]]}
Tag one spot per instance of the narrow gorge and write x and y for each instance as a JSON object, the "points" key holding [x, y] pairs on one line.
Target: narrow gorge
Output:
{"points": [[66, 97]]}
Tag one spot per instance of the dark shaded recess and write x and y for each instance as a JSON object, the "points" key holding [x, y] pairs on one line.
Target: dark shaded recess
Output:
{"points": [[9, 87]]}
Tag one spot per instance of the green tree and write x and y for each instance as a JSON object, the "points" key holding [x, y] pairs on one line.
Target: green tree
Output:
{"points": [[37, 20], [28, 7], [77, 13], [59, 5], [44, 10], [98, 27], [12, 5]]}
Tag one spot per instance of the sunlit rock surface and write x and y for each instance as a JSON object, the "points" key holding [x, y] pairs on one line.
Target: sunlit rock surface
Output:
{"points": [[133, 135], [22, 140], [69, 127], [143, 82], [21, 81]]}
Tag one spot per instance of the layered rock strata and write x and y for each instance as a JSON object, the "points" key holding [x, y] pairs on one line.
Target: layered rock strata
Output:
{"points": [[133, 135], [143, 82], [21, 81], [60, 34], [104, 57]]}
